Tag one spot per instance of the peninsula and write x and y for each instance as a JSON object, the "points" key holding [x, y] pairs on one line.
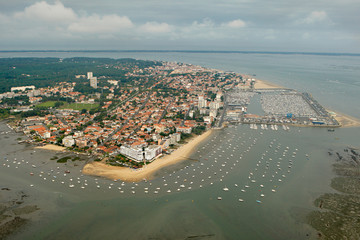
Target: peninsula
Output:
{"points": [[134, 117]]}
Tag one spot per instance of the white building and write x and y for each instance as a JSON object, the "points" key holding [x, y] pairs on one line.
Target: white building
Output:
{"points": [[78, 134], [213, 113], [208, 119], [202, 102], [215, 105], [22, 88], [135, 153], [93, 82], [152, 152], [191, 114], [174, 138], [68, 141], [113, 82], [89, 75], [183, 129]]}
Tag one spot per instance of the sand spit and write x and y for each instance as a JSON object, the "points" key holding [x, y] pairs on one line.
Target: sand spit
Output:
{"points": [[131, 175]]}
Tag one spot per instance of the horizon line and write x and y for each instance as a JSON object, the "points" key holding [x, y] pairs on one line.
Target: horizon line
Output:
{"points": [[193, 51]]}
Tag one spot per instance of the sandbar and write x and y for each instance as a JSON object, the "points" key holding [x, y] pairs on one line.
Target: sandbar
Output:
{"points": [[147, 172]]}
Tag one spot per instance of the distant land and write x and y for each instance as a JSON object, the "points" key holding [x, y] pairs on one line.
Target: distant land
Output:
{"points": [[193, 51]]}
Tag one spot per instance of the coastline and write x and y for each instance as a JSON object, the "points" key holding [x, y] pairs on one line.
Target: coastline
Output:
{"points": [[51, 147], [147, 172], [346, 121], [261, 84]]}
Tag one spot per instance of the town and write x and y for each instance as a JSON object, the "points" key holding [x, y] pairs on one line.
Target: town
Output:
{"points": [[130, 124], [150, 110]]}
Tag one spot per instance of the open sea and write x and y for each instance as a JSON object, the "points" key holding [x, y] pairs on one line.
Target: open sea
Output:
{"points": [[267, 180]]}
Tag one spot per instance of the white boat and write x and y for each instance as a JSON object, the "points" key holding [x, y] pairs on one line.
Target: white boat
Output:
{"points": [[219, 198], [225, 189], [241, 200]]}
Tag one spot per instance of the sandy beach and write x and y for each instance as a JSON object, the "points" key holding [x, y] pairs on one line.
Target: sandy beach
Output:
{"points": [[261, 84], [51, 147], [346, 120], [131, 175]]}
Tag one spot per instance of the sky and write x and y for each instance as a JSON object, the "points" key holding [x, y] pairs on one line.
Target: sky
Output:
{"points": [[223, 25]]}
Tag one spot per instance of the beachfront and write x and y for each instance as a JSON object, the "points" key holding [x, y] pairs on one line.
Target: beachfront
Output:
{"points": [[131, 175]]}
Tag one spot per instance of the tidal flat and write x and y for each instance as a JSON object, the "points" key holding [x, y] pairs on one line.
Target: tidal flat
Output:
{"points": [[338, 216]]}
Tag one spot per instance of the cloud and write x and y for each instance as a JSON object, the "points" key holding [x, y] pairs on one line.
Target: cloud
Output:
{"points": [[314, 17], [206, 23], [100, 24], [155, 27], [235, 24], [47, 12]]}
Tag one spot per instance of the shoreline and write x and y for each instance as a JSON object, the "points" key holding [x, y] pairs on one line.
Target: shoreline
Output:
{"points": [[51, 147], [346, 121], [129, 175], [263, 84]]}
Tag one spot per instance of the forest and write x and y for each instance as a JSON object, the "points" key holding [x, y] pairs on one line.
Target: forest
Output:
{"points": [[44, 72]]}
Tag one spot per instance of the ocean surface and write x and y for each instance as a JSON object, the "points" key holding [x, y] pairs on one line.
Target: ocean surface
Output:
{"points": [[267, 180]]}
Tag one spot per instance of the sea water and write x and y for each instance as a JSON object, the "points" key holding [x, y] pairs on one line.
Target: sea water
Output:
{"points": [[239, 156]]}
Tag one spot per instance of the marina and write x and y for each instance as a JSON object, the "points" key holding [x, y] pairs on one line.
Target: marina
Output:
{"points": [[260, 167], [99, 207]]}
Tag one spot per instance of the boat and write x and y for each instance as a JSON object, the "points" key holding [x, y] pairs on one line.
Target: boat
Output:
{"points": [[241, 200], [225, 189], [219, 198], [258, 201]]}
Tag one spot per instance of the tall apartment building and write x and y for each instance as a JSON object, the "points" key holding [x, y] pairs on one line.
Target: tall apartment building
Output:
{"points": [[93, 82], [89, 75]]}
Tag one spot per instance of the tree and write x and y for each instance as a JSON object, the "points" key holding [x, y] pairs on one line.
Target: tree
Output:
{"points": [[58, 104]]}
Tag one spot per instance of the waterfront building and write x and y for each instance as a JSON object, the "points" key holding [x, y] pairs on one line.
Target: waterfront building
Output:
{"points": [[152, 152], [181, 129], [68, 141], [135, 153]]}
